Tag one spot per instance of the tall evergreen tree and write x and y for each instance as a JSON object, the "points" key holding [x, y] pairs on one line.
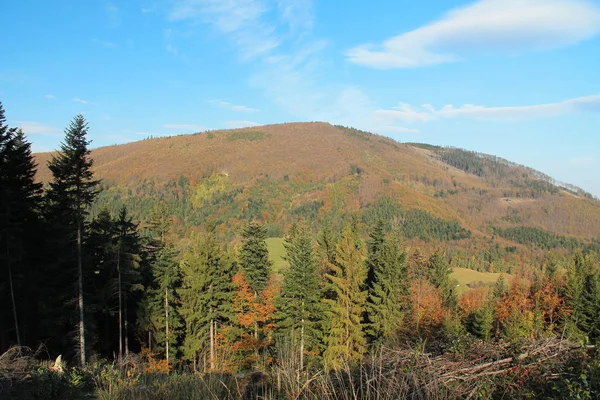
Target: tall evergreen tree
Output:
{"points": [[583, 295], [72, 191], [206, 294], [384, 302], [127, 259], [159, 314], [254, 256], [19, 212], [346, 341], [439, 272], [299, 306]]}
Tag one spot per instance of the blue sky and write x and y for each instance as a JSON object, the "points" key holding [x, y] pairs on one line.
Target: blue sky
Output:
{"points": [[515, 78]]}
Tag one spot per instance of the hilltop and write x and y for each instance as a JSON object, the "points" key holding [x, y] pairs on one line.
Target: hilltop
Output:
{"points": [[317, 171]]}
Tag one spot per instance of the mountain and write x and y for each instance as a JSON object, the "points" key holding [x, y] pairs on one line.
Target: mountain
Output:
{"points": [[317, 171]]}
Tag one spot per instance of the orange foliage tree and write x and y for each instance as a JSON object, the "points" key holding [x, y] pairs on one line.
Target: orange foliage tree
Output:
{"points": [[255, 316]]}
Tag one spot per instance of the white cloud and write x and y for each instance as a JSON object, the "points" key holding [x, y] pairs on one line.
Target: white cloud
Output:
{"points": [[37, 128], [185, 127], [50, 96], [506, 26], [411, 114], [233, 107], [240, 124]]}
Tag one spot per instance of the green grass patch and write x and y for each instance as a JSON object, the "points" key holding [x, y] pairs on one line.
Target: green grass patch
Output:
{"points": [[245, 135], [467, 279], [276, 254]]}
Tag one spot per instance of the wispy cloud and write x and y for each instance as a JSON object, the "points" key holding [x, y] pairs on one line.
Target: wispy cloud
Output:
{"points": [[37, 128], [242, 20], [49, 96], [507, 26], [240, 124], [113, 13], [277, 36], [185, 127], [233, 107], [170, 46], [420, 114], [82, 101], [104, 43]]}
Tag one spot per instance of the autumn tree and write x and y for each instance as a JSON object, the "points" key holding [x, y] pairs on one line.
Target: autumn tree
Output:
{"points": [[255, 320], [72, 190]]}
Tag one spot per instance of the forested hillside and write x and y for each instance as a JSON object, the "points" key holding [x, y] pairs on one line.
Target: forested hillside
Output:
{"points": [[291, 261], [279, 174]]}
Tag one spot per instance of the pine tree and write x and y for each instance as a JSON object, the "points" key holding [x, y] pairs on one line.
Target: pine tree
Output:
{"points": [[127, 259], [384, 303], [346, 341], [206, 294], [166, 319], [72, 191], [299, 306], [439, 272], [19, 216], [254, 257]]}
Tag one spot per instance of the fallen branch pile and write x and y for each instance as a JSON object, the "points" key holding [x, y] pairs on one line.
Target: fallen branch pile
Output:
{"points": [[485, 361]]}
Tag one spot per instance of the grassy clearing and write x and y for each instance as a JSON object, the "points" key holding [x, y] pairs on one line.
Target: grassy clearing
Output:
{"points": [[276, 253], [468, 279]]}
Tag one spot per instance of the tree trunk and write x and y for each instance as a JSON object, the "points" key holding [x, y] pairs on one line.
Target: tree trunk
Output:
{"points": [[120, 304], [167, 324], [80, 296], [126, 321], [12, 291], [212, 343], [301, 350]]}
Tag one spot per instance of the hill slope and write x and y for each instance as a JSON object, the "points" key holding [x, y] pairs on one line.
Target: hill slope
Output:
{"points": [[316, 171]]}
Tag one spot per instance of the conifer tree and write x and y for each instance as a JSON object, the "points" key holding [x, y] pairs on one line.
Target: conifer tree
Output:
{"points": [[72, 191], [300, 311], [439, 272], [19, 212], [346, 341], [206, 294], [254, 257], [127, 259], [583, 295], [384, 303]]}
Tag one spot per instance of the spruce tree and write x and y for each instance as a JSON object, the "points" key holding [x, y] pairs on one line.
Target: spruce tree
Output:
{"points": [[206, 294], [160, 312], [72, 191], [389, 287], [439, 272], [300, 311], [346, 341], [127, 262], [19, 217], [254, 257]]}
